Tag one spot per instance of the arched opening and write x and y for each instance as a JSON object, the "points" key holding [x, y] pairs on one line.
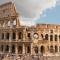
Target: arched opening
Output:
{"points": [[2, 48], [42, 49], [51, 31], [56, 49], [2, 35], [13, 49], [42, 35], [51, 37], [36, 49], [29, 36], [59, 37], [7, 48], [28, 49], [20, 49], [8, 23], [7, 36], [46, 37], [59, 48], [20, 35], [14, 36], [51, 49], [55, 37]]}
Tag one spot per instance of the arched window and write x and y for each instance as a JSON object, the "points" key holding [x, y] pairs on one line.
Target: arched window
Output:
{"points": [[7, 36], [28, 49], [29, 35], [55, 37], [51, 49], [14, 36], [42, 35], [2, 35], [13, 49], [59, 36], [51, 37], [7, 48], [56, 49], [46, 37], [42, 49], [20, 49], [20, 35], [2, 48], [59, 48], [36, 49], [51, 31]]}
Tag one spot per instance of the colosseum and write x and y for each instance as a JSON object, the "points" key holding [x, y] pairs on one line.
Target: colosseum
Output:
{"points": [[16, 39]]}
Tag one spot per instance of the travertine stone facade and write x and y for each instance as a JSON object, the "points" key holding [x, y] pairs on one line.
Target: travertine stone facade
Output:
{"points": [[17, 39]]}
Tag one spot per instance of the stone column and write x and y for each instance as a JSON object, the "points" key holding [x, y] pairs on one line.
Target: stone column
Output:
{"points": [[10, 39], [6, 23], [31, 48], [58, 49], [11, 23], [4, 35], [39, 50], [16, 35], [58, 40], [53, 48], [0, 35], [16, 46], [49, 40], [16, 49], [23, 49], [4, 48]]}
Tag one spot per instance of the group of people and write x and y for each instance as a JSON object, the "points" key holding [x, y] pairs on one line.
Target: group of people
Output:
{"points": [[20, 57]]}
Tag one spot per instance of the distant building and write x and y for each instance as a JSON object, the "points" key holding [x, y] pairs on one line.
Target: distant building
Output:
{"points": [[17, 39]]}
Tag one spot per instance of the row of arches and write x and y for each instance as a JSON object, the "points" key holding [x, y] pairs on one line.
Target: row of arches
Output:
{"points": [[51, 49], [13, 36], [5, 48], [8, 23], [47, 36], [12, 49]]}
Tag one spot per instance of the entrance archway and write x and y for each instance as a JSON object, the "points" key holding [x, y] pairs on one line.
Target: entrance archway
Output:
{"points": [[42, 49], [13, 48], [28, 49], [20, 49], [36, 49]]}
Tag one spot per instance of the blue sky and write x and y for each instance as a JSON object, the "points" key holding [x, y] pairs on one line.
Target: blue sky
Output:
{"points": [[52, 16], [32, 12]]}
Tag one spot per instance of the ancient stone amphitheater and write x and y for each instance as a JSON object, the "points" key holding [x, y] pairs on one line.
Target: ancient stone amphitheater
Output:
{"points": [[40, 42]]}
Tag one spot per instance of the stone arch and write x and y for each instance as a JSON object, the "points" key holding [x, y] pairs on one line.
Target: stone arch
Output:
{"points": [[7, 35], [14, 22], [51, 49], [42, 49], [55, 37], [51, 37], [2, 36], [8, 23], [36, 49], [20, 35], [56, 48], [46, 37], [14, 35], [28, 49], [7, 48], [2, 47], [20, 49], [13, 49]]}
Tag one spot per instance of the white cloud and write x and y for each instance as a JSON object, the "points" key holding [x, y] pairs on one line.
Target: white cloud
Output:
{"points": [[32, 9]]}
